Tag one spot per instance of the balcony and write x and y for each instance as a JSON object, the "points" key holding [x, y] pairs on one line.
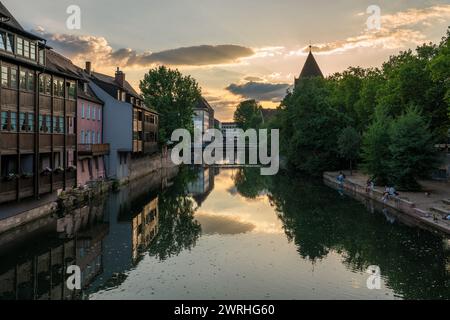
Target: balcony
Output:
{"points": [[93, 149]]}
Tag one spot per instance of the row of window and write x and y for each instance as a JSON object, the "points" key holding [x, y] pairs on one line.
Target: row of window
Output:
{"points": [[147, 137], [149, 118], [91, 112], [45, 87], [90, 137], [22, 47], [26, 82], [9, 78], [47, 123]]}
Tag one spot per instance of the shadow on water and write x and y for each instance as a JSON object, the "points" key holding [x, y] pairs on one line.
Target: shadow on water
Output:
{"points": [[112, 236]]}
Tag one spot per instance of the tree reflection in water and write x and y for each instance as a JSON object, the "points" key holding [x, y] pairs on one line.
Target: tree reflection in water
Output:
{"points": [[319, 221], [178, 229]]}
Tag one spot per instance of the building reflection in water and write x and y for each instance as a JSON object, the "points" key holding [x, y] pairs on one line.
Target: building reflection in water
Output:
{"points": [[203, 185], [34, 266], [105, 240]]}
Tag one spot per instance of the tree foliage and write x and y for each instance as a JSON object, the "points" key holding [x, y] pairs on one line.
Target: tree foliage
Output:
{"points": [[174, 96], [248, 115]]}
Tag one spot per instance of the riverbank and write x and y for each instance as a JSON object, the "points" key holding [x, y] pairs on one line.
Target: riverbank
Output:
{"points": [[15, 215], [426, 208]]}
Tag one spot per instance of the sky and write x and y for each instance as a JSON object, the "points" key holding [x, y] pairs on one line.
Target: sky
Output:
{"points": [[235, 49]]}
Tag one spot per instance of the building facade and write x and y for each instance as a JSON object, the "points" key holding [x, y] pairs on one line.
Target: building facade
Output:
{"points": [[129, 126], [92, 149], [38, 115]]}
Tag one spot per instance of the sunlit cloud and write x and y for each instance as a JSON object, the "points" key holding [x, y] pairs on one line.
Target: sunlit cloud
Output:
{"points": [[398, 30], [97, 49]]}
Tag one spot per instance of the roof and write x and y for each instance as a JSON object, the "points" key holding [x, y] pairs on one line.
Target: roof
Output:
{"points": [[311, 68], [112, 81], [89, 94], [204, 105], [8, 21], [60, 64], [268, 114]]}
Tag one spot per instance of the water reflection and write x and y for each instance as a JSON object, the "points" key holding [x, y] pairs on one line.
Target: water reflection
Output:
{"points": [[224, 233]]}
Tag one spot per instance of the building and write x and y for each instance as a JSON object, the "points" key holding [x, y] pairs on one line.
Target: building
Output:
{"points": [[203, 116], [311, 68], [38, 115], [129, 126], [91, 147]]}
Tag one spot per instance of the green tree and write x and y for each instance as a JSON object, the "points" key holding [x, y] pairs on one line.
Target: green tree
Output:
{"points": [[309, 128], [248, 115], [174, 96], [412, 148], [375, 150], [349, 144]]}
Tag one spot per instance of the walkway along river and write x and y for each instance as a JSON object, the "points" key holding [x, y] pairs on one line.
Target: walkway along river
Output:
{"points": [[225, 234]]}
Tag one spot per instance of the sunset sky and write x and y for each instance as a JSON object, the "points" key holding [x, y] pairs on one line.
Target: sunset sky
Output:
{"points": [[235, 49]]}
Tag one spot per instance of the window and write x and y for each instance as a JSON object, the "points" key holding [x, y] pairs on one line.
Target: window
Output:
{"points": [[82, 137], [94, 111], [41, 56], [61, 124], [10, 43], [5, 80], [72, 90], [58, 88], [23, 80], [13, 126], [2, 40], [48, 85], [99, 138], [20, 46], [26, 80], [4, 120], [43, 123], [26, 48], [6, 41], [55, 124], [82, 110], [47, 126], [93, 137], [13, 78], [22, 122], [31, 122], [124, 96], [30, 81], [99, 113], [88, 112], [32, 51], [88, 139]]}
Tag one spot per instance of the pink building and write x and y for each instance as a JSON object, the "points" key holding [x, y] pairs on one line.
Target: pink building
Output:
{"points": [[91, 149]]}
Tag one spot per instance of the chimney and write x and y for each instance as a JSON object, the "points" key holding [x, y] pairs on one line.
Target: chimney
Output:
{"points": [[120, 77], [88, 67]]}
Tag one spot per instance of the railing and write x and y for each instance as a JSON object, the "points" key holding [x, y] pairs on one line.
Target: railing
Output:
{"points": [[93, 149]]}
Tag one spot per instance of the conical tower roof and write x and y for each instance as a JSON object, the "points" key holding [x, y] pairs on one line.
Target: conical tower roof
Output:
{"points": [[311, 68]]}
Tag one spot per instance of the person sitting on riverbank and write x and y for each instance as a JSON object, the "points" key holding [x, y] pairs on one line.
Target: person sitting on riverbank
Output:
{"points": [[370, 186], [389, 192], [341, 178]]}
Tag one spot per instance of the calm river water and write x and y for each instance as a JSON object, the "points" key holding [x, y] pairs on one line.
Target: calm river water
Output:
{"points": [[225, 234]]}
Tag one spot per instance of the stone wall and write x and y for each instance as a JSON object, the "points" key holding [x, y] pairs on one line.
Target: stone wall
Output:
{"points": [[144, 165], [357, 191]]}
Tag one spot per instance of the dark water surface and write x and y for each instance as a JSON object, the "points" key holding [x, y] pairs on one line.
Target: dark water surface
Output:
{"points": [[225, 234]]}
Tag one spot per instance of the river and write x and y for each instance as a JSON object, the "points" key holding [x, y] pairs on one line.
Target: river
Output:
{"points": [[219, 233]]}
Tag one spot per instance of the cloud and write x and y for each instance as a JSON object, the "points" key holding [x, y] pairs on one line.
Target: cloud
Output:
{"points": [[223, 225], [398, 30], [261, 91], [97, 49]]}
